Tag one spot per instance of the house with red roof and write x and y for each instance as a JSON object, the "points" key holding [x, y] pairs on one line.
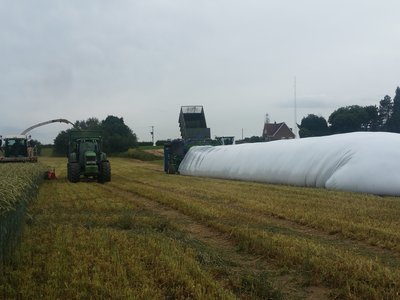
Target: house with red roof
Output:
{"points": [[277, 131]]}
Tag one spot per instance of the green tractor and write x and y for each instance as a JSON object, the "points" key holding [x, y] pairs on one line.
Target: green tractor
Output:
{"points": [[85, 157]]}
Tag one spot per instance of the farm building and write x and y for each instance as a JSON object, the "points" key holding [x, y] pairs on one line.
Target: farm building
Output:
{"points": [[277, 131]]}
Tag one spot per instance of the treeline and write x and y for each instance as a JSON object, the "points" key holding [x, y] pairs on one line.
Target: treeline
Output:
{"points": [[252, 139], [117, 136], [158, 143], [385, 117]]}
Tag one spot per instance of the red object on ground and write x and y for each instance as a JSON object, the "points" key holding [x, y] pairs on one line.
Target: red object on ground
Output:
{"points": [[51, 174]]}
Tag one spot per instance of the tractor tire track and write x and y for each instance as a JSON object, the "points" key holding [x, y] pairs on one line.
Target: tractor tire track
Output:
{"points": [[224, 244], [388, 257]]}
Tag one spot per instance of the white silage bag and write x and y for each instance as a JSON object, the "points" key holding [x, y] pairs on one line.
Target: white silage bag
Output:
{"points": [[367, 162]]}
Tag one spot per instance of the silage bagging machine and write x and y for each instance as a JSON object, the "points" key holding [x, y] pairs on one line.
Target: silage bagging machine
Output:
{"points": [[194, 132]]}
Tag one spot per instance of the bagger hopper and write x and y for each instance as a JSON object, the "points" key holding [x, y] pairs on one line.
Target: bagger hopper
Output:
{"points": [[194, 131]]}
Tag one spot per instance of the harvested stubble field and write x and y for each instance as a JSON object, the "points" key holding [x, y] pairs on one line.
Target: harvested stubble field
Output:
{"points": [[147, 235]]}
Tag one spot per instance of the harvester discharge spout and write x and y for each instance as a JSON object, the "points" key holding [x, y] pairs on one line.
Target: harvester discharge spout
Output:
{"points": [[45, 123]]}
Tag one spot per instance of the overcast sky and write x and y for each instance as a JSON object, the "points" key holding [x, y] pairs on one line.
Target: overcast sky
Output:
{"points": [[142, 60]]}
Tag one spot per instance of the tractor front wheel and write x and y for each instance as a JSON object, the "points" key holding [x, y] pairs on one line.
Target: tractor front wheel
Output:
{"points": [[105, 172], [74, 171]]}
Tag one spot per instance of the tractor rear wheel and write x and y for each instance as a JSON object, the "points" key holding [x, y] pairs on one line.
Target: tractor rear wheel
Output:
{"points": [[105, 172], [74, 172]]}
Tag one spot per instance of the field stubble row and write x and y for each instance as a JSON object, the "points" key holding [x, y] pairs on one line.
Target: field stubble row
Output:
{"points": [[345, 241], [84, 242]]}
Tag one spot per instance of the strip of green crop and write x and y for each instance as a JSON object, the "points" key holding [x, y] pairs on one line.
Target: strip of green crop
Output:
{"points": [[19, 184]]}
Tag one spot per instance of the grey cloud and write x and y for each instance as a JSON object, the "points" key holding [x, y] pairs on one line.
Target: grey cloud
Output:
{"points": [[307, 102], [143, 59]]}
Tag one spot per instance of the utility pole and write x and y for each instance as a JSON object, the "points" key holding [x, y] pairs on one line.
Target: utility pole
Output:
{"points": [[152, 134], [295, 109], [242, 134]]}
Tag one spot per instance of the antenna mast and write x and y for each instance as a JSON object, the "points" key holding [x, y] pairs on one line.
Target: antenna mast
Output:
{"points": [[295, 109], [152, 135]]}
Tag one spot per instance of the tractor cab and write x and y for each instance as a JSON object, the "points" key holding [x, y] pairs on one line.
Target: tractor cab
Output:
{"points": [[87, 153]]}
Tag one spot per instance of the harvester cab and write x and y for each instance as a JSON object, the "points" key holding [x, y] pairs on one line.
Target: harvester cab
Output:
{"points": [[20, 148], [86, 158], [17, 148]]}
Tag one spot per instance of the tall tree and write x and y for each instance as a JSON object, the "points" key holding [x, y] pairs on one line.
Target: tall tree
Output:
{"points": [[349, 119], [313, 125], [373, 123], [393, 123], [117, 136], [61, 143], [89, 124], [385, 111]]}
